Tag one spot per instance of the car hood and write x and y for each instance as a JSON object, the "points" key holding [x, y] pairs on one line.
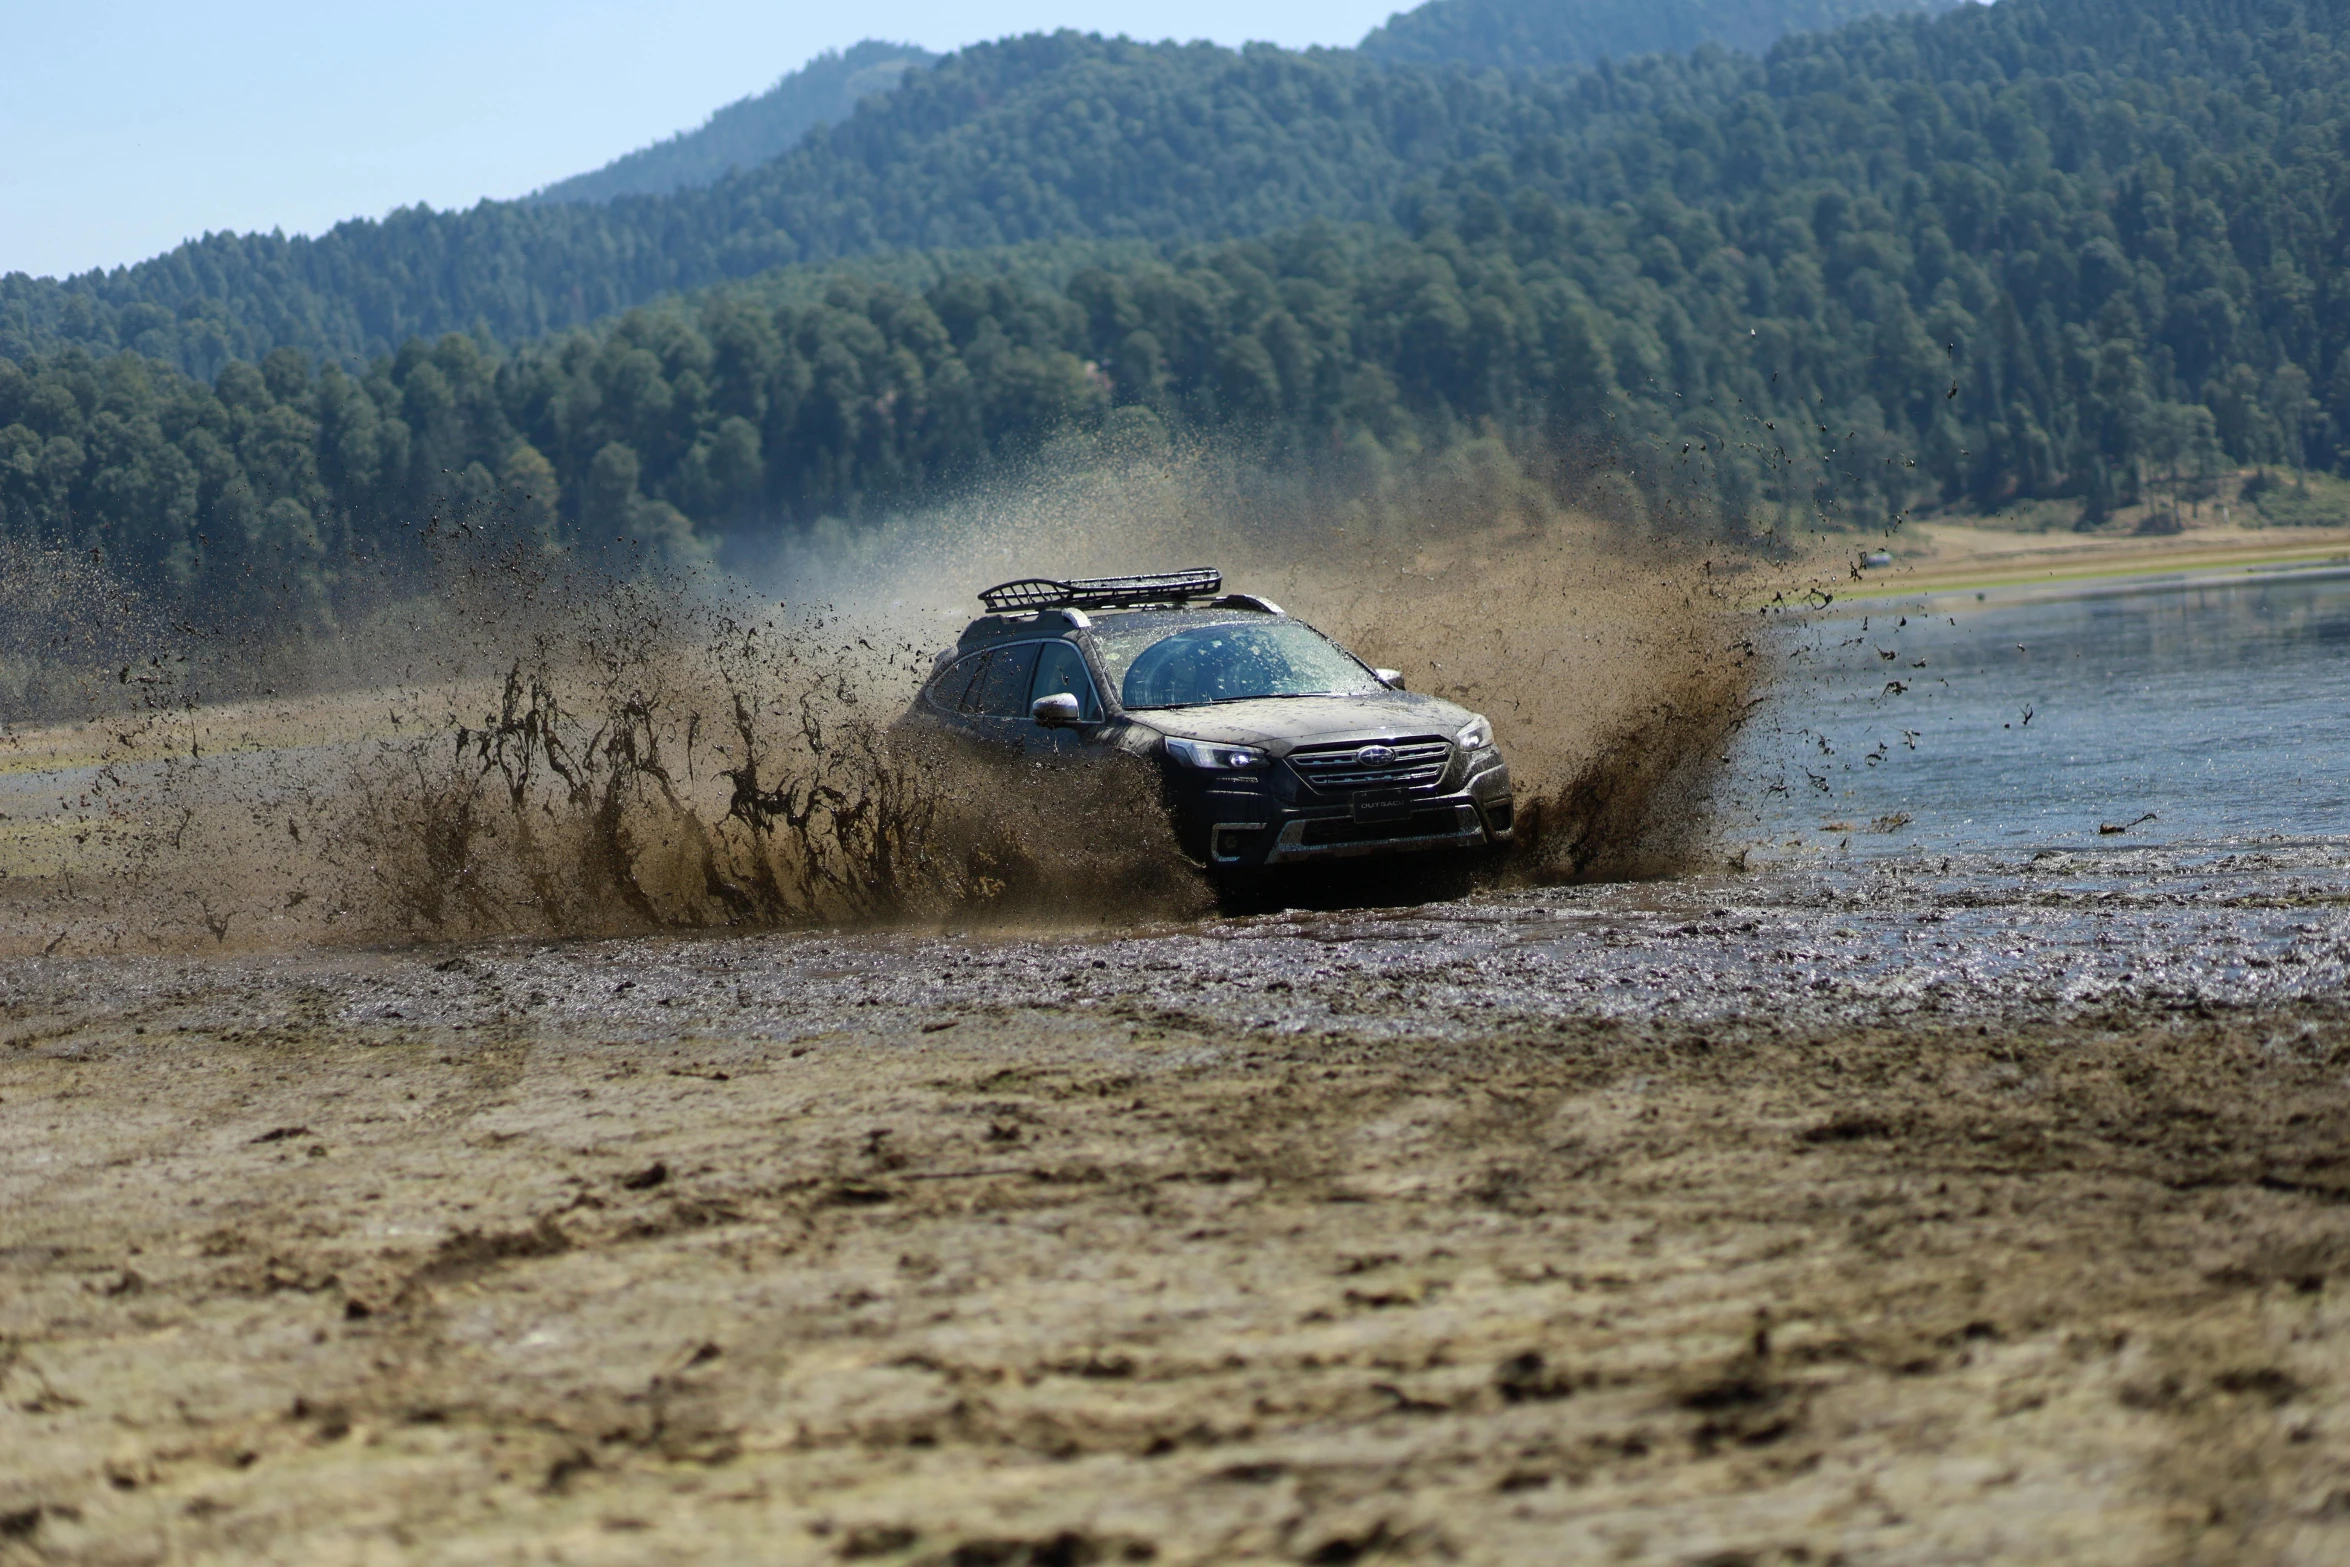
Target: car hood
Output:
{"points": [[1280, 724]]}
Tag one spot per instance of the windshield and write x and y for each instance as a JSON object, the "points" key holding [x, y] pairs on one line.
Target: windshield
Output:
{"points": [[1232, 662]]}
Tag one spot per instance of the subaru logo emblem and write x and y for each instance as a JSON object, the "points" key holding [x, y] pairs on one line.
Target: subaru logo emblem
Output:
{"points": [[1375, 755]]}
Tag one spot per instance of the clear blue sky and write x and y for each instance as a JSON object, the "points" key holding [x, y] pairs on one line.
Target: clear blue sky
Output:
{"points": [[130, 125]]}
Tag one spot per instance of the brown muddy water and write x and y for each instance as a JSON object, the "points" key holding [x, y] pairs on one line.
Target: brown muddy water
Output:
{"points": [[1975, 1198]]}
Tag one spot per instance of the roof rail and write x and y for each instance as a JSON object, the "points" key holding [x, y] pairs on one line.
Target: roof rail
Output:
{"points": [[1165, 587]]}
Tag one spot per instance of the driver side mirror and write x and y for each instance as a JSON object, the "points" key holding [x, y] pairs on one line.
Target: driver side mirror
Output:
{"points": [[1392, 679], [1056, 712]]}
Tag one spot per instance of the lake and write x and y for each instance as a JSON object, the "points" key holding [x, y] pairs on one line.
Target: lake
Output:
{"points": [[2209, 711]]}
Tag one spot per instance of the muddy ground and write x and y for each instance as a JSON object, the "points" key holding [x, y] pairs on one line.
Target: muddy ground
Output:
{"points": [[1925, 1215]]}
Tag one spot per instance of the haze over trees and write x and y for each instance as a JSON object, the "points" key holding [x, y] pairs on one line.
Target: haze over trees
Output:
{"points": [[2045, 249]]}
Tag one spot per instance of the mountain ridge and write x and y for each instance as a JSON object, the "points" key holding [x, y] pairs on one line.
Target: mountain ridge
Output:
{"points": [[1045, 136], [1506, 34], [750, 130], [516, 270]]}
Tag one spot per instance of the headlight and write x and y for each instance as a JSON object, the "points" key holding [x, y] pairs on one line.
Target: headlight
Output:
{"points": [[1475, 735], [1214, 758]]}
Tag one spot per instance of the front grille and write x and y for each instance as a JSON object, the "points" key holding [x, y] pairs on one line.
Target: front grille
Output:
{"points": [[1418, 763]]}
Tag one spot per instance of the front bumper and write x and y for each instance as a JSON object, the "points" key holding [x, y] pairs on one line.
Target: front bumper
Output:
{"points": [[1450, 825], [1236, 831]]}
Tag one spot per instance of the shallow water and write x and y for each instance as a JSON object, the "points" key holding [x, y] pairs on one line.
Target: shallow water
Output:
{"points": [[1966, 722]]}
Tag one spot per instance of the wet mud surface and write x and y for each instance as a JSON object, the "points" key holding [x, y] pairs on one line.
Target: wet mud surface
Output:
{"points": [[1920, 1210]]}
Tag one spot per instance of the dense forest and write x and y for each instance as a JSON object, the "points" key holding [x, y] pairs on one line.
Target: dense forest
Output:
{"points": [[2050, 249], [752, 130], [1513, 35]]}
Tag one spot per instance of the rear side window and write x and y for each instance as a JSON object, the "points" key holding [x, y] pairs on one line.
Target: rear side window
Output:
{"points": [[951, 684], [1060, 671], [1001, 689]]}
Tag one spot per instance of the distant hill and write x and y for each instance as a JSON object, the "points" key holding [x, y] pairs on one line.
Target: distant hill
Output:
{"points": [[1050, 136], [1506, 33], [1061, 136], [1532, 34], [1519, 34], [752, 130]]}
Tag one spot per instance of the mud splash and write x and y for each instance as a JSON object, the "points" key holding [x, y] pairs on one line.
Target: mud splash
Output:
{"points": [[547, 749], [534, 745], [665, 758], [1615, 647], [1615, 671]]}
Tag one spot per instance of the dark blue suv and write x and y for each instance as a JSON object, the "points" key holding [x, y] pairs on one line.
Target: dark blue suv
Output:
{"points": [[1277, 745]]}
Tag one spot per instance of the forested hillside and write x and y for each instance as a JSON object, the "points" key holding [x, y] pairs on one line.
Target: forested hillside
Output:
{"points": [[1509, 34], [1515, 35], [750, 131], [2056, 248], [1030, 138]]}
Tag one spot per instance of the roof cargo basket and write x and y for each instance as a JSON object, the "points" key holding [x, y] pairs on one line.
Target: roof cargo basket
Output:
{"points": [[1165, 587]]}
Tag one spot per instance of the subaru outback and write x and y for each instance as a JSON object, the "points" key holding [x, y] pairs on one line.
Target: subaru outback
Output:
{"points": [[1277, 746]]}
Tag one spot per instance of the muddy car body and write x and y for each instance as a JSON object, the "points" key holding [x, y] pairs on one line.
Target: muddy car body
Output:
{"points": [[1276, 746]]}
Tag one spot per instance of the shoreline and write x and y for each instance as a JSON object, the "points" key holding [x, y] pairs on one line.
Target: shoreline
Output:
{"points": [[2089, 568]]}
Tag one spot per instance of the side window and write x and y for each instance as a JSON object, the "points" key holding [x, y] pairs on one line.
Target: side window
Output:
{"points": [[949, 685], [1001, 691], [1060, 670]]}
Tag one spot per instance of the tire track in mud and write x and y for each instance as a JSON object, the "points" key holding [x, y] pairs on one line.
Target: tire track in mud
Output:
{"points": [[1641, 1289], [1325, 1236]]}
